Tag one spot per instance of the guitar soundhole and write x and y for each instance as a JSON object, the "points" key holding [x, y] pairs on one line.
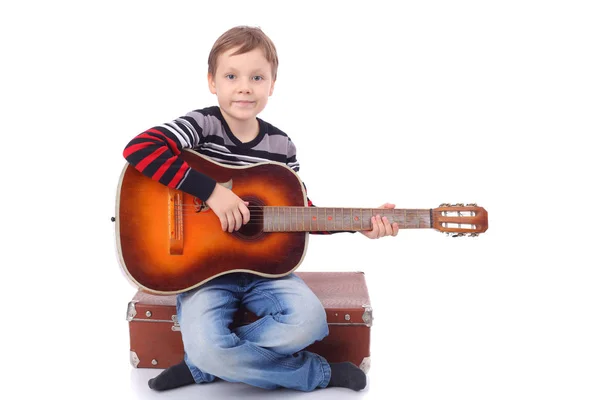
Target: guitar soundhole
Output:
{"points": [[253, 230]]}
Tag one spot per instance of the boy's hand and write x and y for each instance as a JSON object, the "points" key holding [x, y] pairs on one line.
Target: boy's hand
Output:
{"points": [[231, 210], [382, 226]]}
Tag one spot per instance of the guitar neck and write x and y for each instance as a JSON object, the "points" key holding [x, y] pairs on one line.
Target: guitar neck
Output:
{"points": [[312, 219]]}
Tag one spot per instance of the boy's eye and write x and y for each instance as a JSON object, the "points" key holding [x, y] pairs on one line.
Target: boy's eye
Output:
{"points": [[230, 76], [257, 78]]}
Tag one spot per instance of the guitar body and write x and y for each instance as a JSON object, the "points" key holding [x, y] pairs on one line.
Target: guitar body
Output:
{"points": [[169, 241]]}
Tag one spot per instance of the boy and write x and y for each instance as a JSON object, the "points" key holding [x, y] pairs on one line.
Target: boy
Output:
{"points": [[242, 69]]}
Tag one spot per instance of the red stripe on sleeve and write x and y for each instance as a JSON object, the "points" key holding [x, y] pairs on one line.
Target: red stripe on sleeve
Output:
{"points": [[163, 168], [145, 135], [149, 158], [172, 144], [133, 148], [178, 176]]}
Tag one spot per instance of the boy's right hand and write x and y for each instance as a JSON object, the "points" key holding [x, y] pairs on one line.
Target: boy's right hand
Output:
{"points": [[231, 210]]}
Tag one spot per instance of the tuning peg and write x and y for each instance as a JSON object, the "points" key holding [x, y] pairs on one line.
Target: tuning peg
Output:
{"points": [[473, 234], [472, 204], [458, 205], [458, 235], [445, 205]]}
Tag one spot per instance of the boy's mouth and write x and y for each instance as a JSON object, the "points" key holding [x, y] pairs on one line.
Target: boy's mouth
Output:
{"points": [[244, 103]]}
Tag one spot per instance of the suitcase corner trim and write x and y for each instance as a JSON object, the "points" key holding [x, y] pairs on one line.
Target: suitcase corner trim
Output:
{"points": [[365, 365], [131, 311], [368, 315], [134, 359]]}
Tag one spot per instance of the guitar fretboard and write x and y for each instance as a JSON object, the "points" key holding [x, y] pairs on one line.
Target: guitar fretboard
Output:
{"points": [[312, 219]]}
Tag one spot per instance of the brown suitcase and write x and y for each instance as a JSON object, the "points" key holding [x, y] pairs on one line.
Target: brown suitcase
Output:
{"points": [[155, 340]]}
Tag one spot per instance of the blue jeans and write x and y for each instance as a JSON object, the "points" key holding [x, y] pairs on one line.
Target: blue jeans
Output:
{"points": [[266, 353]]}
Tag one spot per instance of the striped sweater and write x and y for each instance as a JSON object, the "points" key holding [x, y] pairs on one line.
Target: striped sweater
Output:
{"points": [[156, 151]]}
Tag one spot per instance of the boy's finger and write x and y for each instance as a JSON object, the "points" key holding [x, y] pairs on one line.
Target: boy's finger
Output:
{"points": [[375, 231], [388, 227], [230, 222], [245, 214]]}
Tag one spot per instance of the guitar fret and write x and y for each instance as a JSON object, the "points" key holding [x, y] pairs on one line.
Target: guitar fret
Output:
{"points": [[349, 220], [334, 219], [317, 219], [361, 219]]}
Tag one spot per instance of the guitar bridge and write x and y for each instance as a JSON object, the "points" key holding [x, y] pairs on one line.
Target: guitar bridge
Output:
{"points": [[175, 225]]}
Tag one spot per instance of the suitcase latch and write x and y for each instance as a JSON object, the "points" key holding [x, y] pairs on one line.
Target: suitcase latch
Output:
{"points": [[368, 315], [175, 326]]}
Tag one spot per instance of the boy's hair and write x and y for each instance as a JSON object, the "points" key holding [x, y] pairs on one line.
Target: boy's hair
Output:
{"points": [[247, 39]]}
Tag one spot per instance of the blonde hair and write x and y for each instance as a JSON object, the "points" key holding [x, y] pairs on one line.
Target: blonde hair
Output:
{"points": [[247, 39]]}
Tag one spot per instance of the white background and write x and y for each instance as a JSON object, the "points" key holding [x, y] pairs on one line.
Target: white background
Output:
{"points": [[415, 103]]}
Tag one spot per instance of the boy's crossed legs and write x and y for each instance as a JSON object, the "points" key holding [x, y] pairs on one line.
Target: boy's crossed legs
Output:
{"points": [[265, 353]]}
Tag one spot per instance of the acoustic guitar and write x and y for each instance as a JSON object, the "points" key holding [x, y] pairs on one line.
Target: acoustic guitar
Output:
{"points": [[169, 241]]}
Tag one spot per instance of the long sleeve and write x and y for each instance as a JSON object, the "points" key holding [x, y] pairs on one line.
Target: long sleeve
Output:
{"points": [[156, 153]]}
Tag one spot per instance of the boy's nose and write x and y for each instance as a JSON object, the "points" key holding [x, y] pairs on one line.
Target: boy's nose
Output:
{"points": [[243, 86]]}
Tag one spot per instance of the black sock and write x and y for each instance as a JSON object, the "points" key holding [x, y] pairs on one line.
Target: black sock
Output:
{"points": [[347, 375], [172, 377]]}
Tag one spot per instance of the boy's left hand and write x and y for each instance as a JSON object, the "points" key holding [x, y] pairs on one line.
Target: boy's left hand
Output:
{"points": [[382, 226]]}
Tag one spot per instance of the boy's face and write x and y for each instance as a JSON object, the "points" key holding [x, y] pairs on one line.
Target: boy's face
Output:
{"points": [[242, 83]]}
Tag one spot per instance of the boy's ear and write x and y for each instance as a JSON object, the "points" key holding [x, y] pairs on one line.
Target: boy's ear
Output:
{"points": [[211, 84], [272, 87]]}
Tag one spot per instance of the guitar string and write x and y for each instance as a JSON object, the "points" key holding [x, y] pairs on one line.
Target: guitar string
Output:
{"points": [[392, 210], [410, 225], [396, 211], [345, 208], [300, 221], [337, 208], [293, 219], [317, 209]]}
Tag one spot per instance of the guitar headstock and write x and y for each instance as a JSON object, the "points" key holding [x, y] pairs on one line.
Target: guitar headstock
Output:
{"points": [[459, 219]]}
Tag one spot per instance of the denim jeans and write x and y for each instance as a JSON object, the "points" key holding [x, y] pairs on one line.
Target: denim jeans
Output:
{"points": [[266, 353]]}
